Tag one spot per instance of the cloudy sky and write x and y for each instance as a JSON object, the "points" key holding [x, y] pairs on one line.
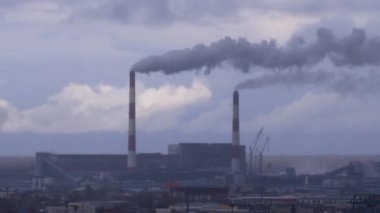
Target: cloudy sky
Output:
{"points": [[308, 72]]}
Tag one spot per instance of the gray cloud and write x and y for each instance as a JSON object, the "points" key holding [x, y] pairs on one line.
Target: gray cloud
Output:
{"points": [[164, 12], [318, 6], [160, 11], [354, 49], [169, 11], [3, 116], [131, 11], [11, 3]]}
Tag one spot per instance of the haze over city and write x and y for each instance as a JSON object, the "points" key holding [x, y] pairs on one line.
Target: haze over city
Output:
{"points": [[307, 71]]}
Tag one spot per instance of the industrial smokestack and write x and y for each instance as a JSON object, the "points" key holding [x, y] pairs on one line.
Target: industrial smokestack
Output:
{"points": [[132, 122], [235, 159]]}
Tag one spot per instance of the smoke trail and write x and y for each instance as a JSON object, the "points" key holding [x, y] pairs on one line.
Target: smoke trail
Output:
{"points": [[343, 81], [295, 77], [354, 49]]}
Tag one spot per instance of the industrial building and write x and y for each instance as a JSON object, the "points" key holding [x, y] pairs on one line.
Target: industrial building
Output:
{"points": [[187, 156], [59, 165], [205, 156]]}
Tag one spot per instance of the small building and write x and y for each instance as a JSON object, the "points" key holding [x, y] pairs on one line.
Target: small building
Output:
{"points": [[72, 208]]}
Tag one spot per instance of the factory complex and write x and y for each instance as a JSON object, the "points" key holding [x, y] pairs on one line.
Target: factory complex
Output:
{"points": [[190, 177]]}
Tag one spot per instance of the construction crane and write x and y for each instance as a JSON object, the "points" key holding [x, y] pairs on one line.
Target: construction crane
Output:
{"points": [[261, 155], [252, 149]]}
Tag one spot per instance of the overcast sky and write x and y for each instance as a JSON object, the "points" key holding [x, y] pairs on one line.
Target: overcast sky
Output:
{"points": [[64, 72]]}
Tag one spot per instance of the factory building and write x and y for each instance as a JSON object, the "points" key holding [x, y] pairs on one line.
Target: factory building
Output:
{"points": [[206, 156], [183, 156], [69, 166]]}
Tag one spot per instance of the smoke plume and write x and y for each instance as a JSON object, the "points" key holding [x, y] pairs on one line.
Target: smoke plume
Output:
{"points": [[342, 81], [352, 50], [293, 78]]}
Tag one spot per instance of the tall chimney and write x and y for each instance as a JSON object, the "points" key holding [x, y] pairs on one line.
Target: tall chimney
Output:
{"points": [[235, 159], [132, 122]]}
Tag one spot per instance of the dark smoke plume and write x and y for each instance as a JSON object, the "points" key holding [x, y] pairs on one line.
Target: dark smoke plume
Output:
{"points": [[340, 81], [352, 50], [294, 78]]}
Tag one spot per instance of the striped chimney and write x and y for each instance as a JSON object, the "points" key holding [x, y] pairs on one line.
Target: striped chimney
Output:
{"points": [[235, 159], [132, 122]]}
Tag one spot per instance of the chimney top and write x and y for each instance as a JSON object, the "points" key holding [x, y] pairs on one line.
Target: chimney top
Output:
{"points": [[236, 98]]}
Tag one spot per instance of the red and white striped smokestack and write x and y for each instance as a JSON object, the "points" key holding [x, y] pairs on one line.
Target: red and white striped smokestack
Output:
{"points": [[132, 122], [235, 160]]}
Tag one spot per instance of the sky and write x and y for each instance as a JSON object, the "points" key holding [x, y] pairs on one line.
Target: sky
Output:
{"points": [[307, 71]]}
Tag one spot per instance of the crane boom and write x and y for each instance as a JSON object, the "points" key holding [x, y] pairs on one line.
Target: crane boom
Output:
{"points": [[252, 149], [258, 138]]}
